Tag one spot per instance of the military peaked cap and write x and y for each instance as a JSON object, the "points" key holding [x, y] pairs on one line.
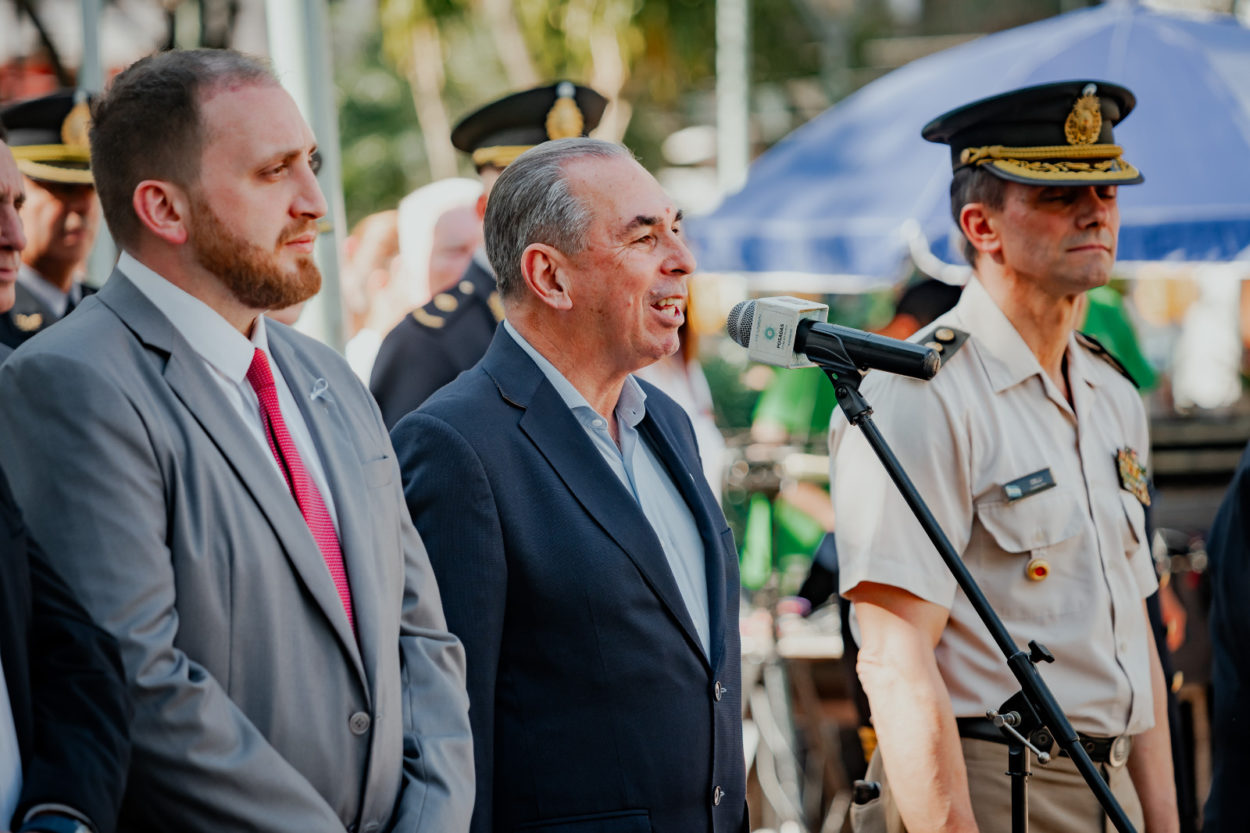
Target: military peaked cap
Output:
{"points": [[1051, 134], [499, 132], [48, 137]]}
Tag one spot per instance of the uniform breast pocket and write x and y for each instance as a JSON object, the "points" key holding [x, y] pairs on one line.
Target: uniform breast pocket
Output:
{"points": [[1135, 529], [1027, 554]]}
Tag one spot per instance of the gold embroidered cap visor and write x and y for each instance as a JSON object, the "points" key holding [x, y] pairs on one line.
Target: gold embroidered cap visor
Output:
{"points": [[48, 137], [54, 163], [1051, 134]]}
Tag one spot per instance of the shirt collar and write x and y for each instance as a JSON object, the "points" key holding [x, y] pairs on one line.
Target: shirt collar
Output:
{"points": [[1006, 357], [47, 294], [210, 335], [630, 408]]}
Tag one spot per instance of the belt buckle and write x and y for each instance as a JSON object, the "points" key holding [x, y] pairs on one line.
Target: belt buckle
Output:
{"points": [[1120, 749]]}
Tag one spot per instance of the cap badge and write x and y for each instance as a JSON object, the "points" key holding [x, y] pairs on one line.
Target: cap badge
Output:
{"points": [[77, 123], [1084, 123], [564, 119]]}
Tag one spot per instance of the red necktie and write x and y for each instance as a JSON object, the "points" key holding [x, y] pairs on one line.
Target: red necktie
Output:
{"points": [[301, 484]]}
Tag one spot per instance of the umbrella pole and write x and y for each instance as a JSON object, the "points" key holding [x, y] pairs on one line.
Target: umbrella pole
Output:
{"points": [[1032, 716]]}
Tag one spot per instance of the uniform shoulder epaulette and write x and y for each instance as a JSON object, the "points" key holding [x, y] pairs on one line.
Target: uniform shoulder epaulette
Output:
{"points": [[946, 340], [429, 316], [1095, 346], [444, 306]]}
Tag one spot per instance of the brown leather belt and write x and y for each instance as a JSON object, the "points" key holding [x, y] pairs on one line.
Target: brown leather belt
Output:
{"points": [[1113, 751]]}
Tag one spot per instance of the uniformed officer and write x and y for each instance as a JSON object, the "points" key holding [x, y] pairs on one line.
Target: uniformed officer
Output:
{"points": [[1030, 448], [48, 137], [433, 344]]}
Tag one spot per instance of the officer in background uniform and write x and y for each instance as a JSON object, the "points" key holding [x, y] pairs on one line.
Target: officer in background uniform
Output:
{"points": [[1030, 448], [433, 344], [48, 137]]}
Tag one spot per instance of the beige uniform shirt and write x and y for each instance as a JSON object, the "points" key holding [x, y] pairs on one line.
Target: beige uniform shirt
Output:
{"points": [[988, 419]]}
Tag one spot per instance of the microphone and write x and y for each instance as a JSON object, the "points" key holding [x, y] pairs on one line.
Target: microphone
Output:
{"points": [[790, 332]]}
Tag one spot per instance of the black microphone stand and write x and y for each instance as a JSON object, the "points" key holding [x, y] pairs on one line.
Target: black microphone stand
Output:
{"points": [[1031, 708]]}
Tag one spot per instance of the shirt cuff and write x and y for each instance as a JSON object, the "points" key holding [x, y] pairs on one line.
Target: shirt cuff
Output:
{"points": [[60, 810]]}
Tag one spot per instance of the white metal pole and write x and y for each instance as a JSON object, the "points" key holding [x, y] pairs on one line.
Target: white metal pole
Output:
{"points": [[733, 94], [91, 78], [299, 46]]}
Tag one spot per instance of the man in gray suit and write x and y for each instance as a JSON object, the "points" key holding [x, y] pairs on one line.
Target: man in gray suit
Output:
{"points": [[281, 630]]}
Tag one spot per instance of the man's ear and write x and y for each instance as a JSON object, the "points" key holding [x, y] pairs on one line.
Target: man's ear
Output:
{"points": [[544, 269], [164, 210], [980, 227]]}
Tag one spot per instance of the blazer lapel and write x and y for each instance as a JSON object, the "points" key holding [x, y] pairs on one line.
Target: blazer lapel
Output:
{"points": [[560, 438], [192, 383], [688, 483], [324, 418]]}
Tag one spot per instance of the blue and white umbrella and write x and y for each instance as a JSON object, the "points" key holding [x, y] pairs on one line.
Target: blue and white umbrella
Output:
{"points": [[835, 197]]}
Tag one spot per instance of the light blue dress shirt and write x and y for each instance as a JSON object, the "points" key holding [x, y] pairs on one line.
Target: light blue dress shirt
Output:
{"points": [[643, 475]]}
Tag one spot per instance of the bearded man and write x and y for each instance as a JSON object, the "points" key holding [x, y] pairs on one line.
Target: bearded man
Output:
{"points": [[231, 510]]}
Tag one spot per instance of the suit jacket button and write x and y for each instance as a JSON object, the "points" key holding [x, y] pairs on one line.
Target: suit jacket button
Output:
{"points": [[718, 691], [717, 795], [358, 723]]}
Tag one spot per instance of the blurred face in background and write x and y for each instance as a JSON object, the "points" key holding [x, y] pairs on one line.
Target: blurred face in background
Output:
{"points": [[457, 234], [61, 221]]}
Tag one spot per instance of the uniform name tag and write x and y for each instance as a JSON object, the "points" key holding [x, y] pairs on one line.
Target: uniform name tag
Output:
{"points": [[1030, 484]]}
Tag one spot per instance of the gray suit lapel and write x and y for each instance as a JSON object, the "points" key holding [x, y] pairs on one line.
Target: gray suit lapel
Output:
{"points": [[328, 426], [192, 383]]}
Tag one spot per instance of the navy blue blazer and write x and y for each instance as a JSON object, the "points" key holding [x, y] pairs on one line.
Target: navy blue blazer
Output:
{"points": [[593, 705], [65, 685], [1228, 545]]}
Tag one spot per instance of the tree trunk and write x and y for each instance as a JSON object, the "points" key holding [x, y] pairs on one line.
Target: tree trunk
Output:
{"points": [[425, 77], [608, 75], [510, 43]]}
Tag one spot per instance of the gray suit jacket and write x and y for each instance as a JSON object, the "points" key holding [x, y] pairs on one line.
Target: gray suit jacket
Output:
{"points": [[255, 708]]}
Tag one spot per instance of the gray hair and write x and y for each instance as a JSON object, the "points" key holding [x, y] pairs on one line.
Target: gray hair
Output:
{"points": [[532, 202]]}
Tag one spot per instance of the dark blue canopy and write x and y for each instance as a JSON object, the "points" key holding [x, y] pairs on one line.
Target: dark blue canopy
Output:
{"points": [[832, 197]]}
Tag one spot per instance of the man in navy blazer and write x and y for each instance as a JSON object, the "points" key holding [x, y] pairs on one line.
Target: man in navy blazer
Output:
{"points": [[64, 710], [582, 559]]}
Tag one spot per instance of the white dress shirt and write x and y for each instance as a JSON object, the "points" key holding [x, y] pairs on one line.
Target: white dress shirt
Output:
{"points": [[54, 299], [227, 353]]}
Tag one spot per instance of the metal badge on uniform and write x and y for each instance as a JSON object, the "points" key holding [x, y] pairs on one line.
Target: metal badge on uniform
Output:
{"points": [[1132, 474], [1030, 484], [28, 323]]}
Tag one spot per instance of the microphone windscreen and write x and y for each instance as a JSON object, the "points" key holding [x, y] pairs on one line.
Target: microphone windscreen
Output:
{"points": [[738, 325]]}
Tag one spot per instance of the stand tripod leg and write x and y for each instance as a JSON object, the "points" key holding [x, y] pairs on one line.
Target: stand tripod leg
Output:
{"points": [[1018, 769]]}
